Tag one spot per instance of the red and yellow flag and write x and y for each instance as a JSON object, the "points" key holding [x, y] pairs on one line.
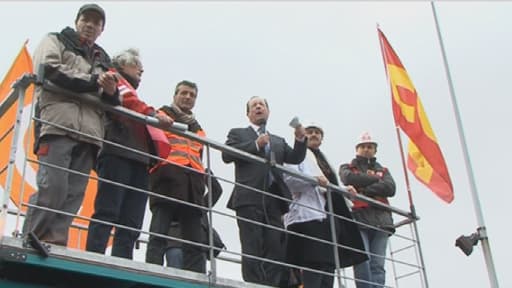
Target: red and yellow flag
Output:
{"points": [[425, 158], [24, 180]]}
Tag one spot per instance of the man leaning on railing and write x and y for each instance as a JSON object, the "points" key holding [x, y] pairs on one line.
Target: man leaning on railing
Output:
{"points": [[114, 203], [72, 61], [180, 177]]}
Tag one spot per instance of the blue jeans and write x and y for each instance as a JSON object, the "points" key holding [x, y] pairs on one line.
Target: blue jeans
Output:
{"points": [[372, 270], [174, 257]]}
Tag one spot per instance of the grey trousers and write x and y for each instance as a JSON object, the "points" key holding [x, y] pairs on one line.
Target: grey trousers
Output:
{"points": [[58, 189]]}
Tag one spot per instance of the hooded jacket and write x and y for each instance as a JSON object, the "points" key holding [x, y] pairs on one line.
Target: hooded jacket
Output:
{"points": [[72, 65]]}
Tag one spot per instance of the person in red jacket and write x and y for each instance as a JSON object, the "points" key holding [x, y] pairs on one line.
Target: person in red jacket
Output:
{"points": [[114, 203]]}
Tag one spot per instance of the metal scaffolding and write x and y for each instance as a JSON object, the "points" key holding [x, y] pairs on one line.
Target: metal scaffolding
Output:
{"points": [[407, 270]]}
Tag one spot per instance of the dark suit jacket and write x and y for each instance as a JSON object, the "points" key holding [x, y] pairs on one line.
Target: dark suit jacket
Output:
{"points": [[255, 174]]}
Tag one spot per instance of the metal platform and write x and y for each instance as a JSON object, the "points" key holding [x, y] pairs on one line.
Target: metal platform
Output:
{"points": [[25, 267]]}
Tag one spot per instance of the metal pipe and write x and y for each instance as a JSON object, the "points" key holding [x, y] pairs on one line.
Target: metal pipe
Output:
{"points": [[334, 238], [482, 231], [182, 131], [20, 87]]}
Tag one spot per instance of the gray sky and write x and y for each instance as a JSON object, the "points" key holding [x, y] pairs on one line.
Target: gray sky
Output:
{"points": [[321, 61]]}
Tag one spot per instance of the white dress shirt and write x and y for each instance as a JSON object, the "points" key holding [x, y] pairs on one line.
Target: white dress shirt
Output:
{"points": [[305, 194]]}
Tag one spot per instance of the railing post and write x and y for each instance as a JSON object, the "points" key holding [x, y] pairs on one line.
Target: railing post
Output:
{"points": [[213, 264], [19, 87], [419, 252], [333, 237]]}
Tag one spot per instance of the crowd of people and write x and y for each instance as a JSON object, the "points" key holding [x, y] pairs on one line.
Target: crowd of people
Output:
{"points": [[278, 213]]}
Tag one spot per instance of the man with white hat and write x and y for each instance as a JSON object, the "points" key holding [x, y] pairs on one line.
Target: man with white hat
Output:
{"points": [[373, 180], [307, 216]]}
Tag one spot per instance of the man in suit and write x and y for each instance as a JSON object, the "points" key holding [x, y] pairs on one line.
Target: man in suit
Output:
{"points": [[250, 204]]}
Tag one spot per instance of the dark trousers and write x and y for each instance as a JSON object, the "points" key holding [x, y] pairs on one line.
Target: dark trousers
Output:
{"points": [[316, 280], [118, 205], [190, 223], [262, 242], [311, 253]]}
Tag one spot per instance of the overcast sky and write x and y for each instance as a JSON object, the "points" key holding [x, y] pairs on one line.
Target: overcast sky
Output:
{"points": [[321, 61]]}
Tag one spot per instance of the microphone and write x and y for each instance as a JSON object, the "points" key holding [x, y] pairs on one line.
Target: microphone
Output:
{"points": [[268, 150], [263, 128], [295, 122]]}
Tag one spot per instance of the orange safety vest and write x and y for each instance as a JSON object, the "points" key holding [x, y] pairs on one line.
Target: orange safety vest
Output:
{"points": [[184, 151]]}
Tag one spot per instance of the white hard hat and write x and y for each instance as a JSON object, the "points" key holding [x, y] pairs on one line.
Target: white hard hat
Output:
{"points": [[314, 125], [366, 138]]}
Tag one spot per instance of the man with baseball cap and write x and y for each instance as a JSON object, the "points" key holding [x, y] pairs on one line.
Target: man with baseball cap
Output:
{"points": [[92, 8], [71, 60], [373, 180]]}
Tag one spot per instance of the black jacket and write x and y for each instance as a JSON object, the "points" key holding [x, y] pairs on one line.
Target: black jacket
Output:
{"points": [[254, 174], [377, 187]]}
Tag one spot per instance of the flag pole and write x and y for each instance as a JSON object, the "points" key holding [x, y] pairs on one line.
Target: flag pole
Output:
{"points": [[407, 184], [481, 230], [413, 209]]}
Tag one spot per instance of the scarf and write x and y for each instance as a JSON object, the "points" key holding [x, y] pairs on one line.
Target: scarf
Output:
{"points": [[179, 116], [324, 166]]}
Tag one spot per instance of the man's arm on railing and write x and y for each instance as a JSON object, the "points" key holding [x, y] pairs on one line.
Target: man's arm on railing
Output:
{"points": [[49, 54]]}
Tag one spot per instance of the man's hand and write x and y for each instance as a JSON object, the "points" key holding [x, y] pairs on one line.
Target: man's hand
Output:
{"points": [[263, 140], [351, 190], [300, 132], [164, 119], [322, 181], [108, 81]]}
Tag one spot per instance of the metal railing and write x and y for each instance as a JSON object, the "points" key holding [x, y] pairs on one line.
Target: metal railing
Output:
{"points": [[19, 93]]}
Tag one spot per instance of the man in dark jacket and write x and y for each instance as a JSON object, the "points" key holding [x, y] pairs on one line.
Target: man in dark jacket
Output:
{"points": [[373, 180], [115, 203], [180, 177], [72, 61], [257, 240]]}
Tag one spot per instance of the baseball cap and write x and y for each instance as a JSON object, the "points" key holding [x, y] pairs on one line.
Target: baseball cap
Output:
{"points": [[91, 7]]}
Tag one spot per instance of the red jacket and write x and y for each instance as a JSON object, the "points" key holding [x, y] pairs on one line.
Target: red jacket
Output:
{"points": [[128, 132]]}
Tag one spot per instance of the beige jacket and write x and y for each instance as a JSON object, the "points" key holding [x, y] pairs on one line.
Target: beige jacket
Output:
{"points": [[70, 70]]}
